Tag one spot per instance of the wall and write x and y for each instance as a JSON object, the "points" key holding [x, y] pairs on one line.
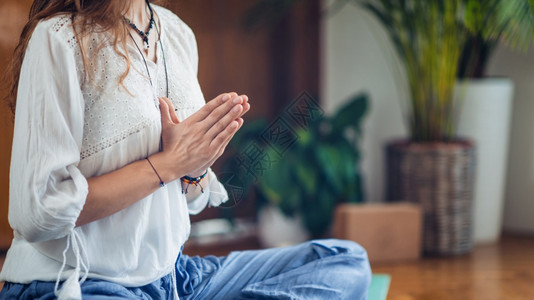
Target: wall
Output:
{"points": [[357, 56], [519, 206]]}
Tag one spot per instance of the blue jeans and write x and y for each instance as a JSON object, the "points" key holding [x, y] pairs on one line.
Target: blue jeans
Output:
{"points": [[320, 269]]}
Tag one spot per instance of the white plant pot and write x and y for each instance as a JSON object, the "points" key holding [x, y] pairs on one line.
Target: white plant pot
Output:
{"points": [[277, 230], [485, 118]]}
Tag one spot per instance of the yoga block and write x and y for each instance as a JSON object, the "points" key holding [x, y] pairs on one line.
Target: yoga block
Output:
{"points": [[389, 232]]}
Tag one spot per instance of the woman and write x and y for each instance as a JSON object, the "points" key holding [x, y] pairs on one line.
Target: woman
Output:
{"points": [[112, 150]]}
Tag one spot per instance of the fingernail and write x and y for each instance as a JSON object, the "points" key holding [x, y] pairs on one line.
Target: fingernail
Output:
{"points": [[237, 100], [226, 97], [236, 108]]}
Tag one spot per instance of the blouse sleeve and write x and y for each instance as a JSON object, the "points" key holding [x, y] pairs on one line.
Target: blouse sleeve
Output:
{"points": [[214, 193], [47, 190]]}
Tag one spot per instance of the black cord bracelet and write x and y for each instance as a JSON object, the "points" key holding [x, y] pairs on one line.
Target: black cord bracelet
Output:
{"points": [[161, 183]]}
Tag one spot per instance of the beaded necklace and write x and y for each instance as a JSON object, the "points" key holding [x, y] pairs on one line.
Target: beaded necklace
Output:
{"points": [[143, 34]]}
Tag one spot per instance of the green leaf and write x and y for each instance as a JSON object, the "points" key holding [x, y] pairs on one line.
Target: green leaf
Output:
{"points": [[331, 163], [508, 20], [291, 202], [278, 184], [351, 114], [306, 175], [305, 136], [274, 181], [317, 216]]}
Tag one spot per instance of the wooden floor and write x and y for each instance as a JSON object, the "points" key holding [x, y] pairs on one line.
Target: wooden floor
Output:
{"points": [[494, 272], [504, 271]]}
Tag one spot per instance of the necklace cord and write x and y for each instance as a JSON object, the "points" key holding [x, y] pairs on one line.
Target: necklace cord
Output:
{"points": [[147, 69]]}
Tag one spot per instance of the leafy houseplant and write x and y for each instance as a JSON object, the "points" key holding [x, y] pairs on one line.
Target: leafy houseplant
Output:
{"points": [[490, 22], [317, 172]]}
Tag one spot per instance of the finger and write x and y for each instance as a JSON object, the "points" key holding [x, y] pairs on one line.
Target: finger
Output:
{"points": [[240, 121], [223, 146], [222, 123], [231, 136], [216, 115], [172, 111], [228, 132], [221, 149], [210, 106], [164, 111], [228, 139], [246, 108], [246, 105]]}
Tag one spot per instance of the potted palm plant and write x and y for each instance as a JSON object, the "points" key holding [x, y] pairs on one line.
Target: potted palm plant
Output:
{"points": [[487, 102], [439, 41], [434, 167]]}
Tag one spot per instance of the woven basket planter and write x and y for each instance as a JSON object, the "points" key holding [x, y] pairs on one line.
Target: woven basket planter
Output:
{"points": [[439, 177]]}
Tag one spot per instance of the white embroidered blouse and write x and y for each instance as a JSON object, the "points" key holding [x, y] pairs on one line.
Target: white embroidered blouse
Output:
{"points": [[68, 129]]}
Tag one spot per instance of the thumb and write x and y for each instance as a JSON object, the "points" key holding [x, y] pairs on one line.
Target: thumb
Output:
{"points": [[172, 111], [165, 113]]}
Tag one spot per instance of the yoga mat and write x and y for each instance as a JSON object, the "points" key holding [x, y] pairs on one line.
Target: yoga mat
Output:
{"points": [[379, 287]]}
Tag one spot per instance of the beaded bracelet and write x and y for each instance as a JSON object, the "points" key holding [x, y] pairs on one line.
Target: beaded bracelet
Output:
{"points": [[194, 181]]}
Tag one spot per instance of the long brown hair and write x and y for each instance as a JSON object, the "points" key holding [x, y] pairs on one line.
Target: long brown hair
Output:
{"points": [[89, 17]]}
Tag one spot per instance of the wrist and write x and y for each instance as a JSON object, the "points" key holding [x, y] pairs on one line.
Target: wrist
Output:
{"points": [[166, 171], [197, 173]]}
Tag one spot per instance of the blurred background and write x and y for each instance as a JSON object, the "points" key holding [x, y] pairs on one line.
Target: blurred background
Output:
{"points": [[329, 92]]}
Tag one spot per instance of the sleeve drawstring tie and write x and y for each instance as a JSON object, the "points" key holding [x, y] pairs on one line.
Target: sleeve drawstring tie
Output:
{"points": [[71, 288]]}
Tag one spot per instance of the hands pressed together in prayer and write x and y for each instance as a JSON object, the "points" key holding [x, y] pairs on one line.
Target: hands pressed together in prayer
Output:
{"points": [[194, 144]]}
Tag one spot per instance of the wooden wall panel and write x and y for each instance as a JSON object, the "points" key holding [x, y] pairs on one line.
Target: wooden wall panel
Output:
{"points": [[231, 59], [13, 16], [271, 64]]}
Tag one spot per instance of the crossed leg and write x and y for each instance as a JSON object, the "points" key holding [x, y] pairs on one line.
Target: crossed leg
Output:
{"points": [[320, 269]]}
